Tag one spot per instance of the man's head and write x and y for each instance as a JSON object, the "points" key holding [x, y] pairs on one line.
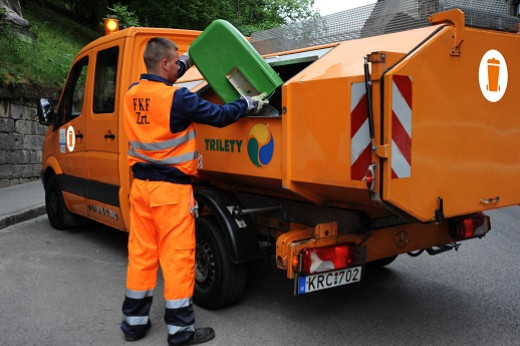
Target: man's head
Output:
{"points": [[161, 57]]}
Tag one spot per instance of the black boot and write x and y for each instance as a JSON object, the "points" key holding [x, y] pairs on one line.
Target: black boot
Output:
{"points": [[142, 334], [200, 336]]}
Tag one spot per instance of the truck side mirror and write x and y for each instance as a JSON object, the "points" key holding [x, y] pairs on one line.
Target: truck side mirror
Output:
{"points": [[45, 111]]}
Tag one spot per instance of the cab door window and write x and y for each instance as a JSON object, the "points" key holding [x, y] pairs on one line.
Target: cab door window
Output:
{"points": [[72, 101], [105, 80]]}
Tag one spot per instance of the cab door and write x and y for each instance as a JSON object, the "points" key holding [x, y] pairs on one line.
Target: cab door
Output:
{"points": [[72, 131], [102, 143]]}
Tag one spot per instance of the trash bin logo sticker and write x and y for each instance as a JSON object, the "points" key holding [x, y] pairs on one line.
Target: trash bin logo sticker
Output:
{"points": [[260, 145], [493, 75], [71, 138]]}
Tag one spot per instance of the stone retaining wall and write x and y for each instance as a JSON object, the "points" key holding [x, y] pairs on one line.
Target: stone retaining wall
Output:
{"points": [[21, 136]]}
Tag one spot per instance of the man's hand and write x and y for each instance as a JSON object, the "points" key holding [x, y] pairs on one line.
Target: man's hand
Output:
{"points": [[185, 59], [255, 103], [260, 99]]}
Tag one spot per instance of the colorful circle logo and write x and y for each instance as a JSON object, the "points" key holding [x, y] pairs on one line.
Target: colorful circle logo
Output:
{"points": [[260, 145]]}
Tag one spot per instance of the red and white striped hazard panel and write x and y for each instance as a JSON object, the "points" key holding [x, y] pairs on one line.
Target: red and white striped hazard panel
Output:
{"points": [[360, 151], [401, 127]]}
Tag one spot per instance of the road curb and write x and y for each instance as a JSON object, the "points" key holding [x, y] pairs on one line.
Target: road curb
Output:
{"points": [[21, 216]]}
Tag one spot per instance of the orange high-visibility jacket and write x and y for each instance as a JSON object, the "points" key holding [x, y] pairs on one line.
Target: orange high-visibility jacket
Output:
{"points": [[147, 121]]}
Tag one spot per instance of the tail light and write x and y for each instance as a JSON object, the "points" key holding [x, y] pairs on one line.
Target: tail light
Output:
{"points": [[471, 226], [369, 177], [316, 260]]}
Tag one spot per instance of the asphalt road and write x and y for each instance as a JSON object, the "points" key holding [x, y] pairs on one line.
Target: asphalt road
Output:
{"points": [[66, 288]]}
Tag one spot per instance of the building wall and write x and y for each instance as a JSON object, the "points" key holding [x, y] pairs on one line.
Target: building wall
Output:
{"points": [[21, 136]]}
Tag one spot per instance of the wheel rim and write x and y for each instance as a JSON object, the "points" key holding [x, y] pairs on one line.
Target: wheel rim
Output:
{"points": [[204, 265]]}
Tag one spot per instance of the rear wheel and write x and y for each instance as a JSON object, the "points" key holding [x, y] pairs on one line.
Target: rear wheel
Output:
{"points": [[54, 204], [218, 281]]}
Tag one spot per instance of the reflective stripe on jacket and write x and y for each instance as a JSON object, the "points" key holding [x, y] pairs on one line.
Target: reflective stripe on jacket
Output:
{"points": [[147, 122]]}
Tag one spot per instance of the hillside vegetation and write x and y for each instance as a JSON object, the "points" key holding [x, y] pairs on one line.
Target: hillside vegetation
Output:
{"points": [[63, 27], [47, 59]]}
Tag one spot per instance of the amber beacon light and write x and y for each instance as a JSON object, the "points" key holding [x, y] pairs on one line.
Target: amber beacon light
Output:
{"points": [[111, 25]]}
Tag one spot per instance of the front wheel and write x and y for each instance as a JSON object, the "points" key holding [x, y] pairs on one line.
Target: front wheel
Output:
{"points": [[218, 281], [58, 214], [54, 204]]}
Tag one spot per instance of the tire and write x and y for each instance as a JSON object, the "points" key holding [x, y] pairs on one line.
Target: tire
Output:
{"points": [[380, 263], [57, 211], [218, 281]]}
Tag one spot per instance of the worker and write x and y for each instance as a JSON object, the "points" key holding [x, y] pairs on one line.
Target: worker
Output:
{"points": [[159, 119]]}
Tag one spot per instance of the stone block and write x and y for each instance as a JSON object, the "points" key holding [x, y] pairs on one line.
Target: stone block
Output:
{"points": [[24, 171], [36, 170], [27, 113], [16, 111], [33, 171], [4, 108], [14, 157], [3, 157], [32, 126], [41, 130], [7, 141], [20, 126], [32, 142], [28, 157], [37, 157], [7, 125], [11, 154], [24, 157], [18, 141], [6, 171], [26, 127], [33, 114]]}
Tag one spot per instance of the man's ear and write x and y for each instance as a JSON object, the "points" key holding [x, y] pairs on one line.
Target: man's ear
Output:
{"points": [[164, 64]]}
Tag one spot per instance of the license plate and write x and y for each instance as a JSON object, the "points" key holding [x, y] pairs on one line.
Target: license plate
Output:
{"points": [[322, 281]]}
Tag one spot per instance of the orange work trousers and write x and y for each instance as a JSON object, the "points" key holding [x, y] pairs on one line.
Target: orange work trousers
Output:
{"points": [[162, 231]]}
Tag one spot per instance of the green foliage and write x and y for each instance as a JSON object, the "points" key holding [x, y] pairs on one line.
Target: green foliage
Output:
{"points": [[256, 15], [246, 15], [125, 17], [89, 11], [3, 23], [46, 60]]}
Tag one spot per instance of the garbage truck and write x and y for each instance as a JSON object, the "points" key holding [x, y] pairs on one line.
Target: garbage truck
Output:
{"points": [[392, 128]]}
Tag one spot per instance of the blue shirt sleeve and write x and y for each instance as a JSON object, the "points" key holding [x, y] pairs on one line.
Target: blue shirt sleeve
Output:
{"points": [[188, 107], [182, 69]]}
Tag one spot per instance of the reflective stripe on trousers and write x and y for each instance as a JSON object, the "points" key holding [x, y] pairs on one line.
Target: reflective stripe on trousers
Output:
{"points": [[180, 320], [136, 309]]}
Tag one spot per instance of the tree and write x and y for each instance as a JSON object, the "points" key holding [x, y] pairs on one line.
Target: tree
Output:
{"points": [[125, 17], [246, 15], [256, 15]]}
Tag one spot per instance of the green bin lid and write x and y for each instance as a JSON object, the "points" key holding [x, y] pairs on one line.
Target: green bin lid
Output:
{"points": [[230, 65]]}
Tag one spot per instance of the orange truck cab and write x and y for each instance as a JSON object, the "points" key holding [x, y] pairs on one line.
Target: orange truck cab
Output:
{"points": [[383, 145]]}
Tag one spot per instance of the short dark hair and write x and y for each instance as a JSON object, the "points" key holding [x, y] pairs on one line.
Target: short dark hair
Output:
{"points": [[157, 49]]}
